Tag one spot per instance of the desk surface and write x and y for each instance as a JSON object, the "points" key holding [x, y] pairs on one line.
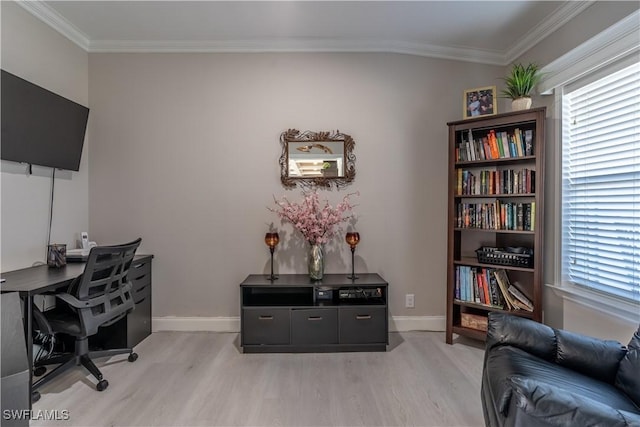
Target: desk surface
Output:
{"points": [[33, 280]]}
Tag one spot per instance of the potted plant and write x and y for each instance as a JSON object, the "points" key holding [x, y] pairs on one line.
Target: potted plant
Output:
{"points": [[519, 84]]}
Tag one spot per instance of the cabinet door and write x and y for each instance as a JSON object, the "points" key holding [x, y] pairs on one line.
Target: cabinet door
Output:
{"points": [[363, 325], [139, 321], [314, 326], [265, 325]]}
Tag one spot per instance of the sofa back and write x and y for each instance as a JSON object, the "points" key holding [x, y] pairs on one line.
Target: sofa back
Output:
{"points": [[593, 357]]}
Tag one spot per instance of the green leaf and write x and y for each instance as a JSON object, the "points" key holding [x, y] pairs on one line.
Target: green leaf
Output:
{"points": [[521, 81]]}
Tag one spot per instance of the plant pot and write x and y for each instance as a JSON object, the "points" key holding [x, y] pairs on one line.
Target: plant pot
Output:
{"points": [[519, 104]]}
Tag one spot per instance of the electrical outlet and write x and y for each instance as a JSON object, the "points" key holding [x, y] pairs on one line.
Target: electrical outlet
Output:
{"points": [[409, 301]]}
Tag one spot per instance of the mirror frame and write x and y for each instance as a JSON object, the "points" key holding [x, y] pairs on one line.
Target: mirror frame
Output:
{"points": [[294, 135]]}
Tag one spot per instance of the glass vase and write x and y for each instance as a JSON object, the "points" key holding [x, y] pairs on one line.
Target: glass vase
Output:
{"points": [[316, 262]]}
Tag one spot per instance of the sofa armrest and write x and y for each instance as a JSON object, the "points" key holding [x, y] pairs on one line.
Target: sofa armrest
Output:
{"points": [[557, 407], [533, 337]]}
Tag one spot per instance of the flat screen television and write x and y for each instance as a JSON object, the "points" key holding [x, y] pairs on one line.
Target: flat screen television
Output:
{"points": [[40, 127]]}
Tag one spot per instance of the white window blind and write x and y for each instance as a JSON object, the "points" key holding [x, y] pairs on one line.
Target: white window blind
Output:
{"points": [[601, 184]]}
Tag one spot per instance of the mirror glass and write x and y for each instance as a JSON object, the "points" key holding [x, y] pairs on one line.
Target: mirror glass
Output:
{"points": [[316, 158]]}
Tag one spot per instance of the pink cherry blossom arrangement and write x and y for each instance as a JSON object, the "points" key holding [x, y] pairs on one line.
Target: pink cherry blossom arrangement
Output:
{"points": [[316, 221]]}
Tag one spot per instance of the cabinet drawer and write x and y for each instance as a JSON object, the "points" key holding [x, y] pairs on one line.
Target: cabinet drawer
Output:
{"points": [[141, 293], [265, 326], [140, 274], [314, 326], [363, 325]]}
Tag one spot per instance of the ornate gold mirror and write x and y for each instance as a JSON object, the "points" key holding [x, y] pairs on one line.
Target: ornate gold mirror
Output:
{"points": [[316, 158]]}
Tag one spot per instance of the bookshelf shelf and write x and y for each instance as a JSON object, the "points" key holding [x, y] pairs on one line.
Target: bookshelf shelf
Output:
{"points": [[514, 142], [493, 196], [521, 313], [492, 230], [491, 162], [473, 262]]}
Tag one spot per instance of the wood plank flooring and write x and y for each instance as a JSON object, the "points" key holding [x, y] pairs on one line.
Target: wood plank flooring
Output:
{"points": [[202, 379]]}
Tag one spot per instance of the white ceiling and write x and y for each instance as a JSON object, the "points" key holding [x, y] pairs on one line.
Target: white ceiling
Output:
{"points": [[493, 32]]}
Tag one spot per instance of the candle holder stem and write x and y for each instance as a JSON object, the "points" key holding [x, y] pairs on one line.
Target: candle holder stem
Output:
{"points": [[272, 277], [353, 265]]}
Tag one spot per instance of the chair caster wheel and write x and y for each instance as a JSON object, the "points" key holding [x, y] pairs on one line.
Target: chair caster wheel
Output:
{"points": [[133, 357], [39, 371], [102, 385], [35, 396]]}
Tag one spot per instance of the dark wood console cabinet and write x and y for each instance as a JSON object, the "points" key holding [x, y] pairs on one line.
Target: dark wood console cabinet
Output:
{"points": [[294, 314]]}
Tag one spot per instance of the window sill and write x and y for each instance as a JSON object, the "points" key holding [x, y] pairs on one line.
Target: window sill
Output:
{"points": [[609, 305]]}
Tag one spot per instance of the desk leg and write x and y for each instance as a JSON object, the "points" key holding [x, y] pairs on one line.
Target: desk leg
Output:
{"points": [[34, 396]]}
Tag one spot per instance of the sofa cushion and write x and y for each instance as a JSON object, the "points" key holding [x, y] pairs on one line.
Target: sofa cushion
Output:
{"points": [[628, 377], [503, 363], [594, 357], [556, 407]]}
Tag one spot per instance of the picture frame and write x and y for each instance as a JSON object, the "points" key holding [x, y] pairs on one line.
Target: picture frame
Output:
{"points": [[479, 102]]}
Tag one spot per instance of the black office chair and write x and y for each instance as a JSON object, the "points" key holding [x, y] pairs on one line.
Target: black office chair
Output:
{"points": [[99, 297]]}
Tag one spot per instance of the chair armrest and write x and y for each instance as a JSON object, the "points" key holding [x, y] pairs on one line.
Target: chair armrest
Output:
{"points": [[525, 334], [557, 407], [73, 301], [92, 302]]}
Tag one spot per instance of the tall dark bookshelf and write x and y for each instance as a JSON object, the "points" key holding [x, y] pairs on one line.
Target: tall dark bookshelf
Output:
{"points": [[495, 201]]}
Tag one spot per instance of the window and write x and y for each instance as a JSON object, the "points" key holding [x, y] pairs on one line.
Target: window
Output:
{"points": [[601, 184]]}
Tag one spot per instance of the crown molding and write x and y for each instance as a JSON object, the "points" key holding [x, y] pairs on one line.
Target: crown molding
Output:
{"points": [[559, 17], [547, 26], [49, 16], [617, 41], [298, 46]]}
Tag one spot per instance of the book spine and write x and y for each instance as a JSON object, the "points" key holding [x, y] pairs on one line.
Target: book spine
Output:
{"points": [[519, 146], [505, 144], [528, 142]]}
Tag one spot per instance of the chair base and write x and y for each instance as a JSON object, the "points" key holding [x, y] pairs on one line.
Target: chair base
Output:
{"points": [[80, 357]]}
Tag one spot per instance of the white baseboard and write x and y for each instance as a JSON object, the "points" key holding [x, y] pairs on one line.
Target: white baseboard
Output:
{"points": [[232, 324]]}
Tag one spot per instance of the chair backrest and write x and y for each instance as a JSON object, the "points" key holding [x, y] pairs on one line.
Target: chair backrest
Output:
{"points": [[104, 286]]}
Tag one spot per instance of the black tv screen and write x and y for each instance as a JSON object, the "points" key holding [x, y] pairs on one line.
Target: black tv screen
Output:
{"points": [[40, 127]]}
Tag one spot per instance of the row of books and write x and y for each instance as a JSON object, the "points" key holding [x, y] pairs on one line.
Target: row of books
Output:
{"points": [[490, 286], [496, 216], [508, 181], [495, 145]]}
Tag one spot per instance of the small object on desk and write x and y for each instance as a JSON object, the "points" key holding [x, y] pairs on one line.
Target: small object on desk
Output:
{"points": [[78, 255], [57, 255]]}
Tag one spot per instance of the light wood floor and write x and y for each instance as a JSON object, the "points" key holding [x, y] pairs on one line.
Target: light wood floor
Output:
{"points": [[202, 379]]}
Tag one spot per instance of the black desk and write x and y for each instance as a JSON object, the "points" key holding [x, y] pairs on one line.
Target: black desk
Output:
{"points": [[32, 281]]}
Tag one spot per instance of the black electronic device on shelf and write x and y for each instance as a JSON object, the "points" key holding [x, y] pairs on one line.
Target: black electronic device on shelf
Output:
{"points": [[359, 293]]}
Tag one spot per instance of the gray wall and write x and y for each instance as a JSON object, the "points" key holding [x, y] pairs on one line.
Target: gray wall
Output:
{"points": [[41, 55], [184, 151], [558, 312], [185, 154]]}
